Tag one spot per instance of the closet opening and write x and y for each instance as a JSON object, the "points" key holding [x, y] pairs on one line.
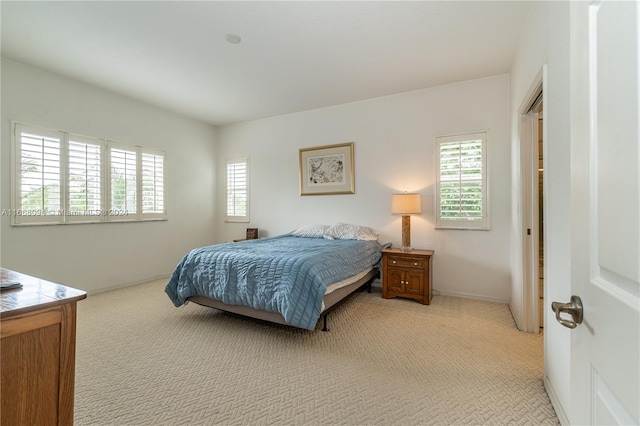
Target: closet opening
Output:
{"points": [[533, 200]]}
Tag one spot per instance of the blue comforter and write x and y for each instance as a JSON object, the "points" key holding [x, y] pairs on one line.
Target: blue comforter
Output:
{"points": [[284, 274]]}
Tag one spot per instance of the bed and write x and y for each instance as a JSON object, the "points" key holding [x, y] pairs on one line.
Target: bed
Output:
{"points": [[293, 279]]}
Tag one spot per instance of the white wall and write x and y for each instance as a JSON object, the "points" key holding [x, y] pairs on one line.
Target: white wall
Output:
{"points": [[545, 40], [96, 257], [394, 140]]}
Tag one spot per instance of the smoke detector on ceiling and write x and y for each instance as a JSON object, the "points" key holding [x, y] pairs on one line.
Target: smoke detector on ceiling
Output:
{"points": [[233, 38]]}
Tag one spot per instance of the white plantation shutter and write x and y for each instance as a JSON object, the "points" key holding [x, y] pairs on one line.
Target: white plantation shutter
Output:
{"points": [[62, 178], [84, 179], [137, 183], [461, 187], [123, 163], [38, 176], [237, 206], [153, 182]]}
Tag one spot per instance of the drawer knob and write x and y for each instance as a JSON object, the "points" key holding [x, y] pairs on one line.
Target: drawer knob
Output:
{"points": [[393, 261], [415, 263]]}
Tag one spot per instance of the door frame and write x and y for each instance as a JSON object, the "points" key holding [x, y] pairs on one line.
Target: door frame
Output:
{"points": [[529, 203]]}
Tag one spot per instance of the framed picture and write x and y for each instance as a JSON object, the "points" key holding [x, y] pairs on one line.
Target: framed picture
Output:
{"points": [[326, 170]]}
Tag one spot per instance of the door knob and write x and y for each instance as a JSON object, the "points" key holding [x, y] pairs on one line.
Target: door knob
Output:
{"points": [[573, 308]]}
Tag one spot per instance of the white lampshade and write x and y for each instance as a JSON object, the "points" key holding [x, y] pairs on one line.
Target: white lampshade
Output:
{"points": [[405, 203]]}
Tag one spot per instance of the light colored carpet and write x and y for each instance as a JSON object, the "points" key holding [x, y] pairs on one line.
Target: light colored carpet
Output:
{"points": [[141, 361]]}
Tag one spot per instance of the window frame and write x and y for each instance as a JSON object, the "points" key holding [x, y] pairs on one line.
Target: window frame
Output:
{"points": [[484, 223], [236, 218], [21, 216]]}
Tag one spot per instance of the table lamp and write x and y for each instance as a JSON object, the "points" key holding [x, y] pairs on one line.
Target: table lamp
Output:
{"points": [[406, 204]]}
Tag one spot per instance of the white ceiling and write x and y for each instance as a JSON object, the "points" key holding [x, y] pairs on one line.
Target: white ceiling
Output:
{"points": [[294, 56]]}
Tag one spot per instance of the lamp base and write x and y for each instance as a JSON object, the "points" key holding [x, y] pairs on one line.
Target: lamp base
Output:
{"points": [[406, 233]]}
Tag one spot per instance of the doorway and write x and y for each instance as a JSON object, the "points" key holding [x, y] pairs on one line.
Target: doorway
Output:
{"points": [[533, 201], [540, 222]]}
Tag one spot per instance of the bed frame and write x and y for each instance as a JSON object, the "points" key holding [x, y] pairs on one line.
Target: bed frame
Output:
{"points": [[331, 300]]}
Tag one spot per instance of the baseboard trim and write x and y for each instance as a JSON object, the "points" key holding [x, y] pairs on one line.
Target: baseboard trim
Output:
{"points": [[129, 284], [470, 296], [516, 318], [555, 402]]}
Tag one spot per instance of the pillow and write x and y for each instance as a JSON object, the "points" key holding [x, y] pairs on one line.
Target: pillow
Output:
{"points": [[345, 231], [311, 231]]}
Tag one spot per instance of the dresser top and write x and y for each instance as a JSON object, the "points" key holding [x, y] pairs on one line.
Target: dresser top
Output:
{"points": [[35, 294]]}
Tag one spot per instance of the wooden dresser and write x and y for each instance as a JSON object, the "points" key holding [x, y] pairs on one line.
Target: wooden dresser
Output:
{"points": [[38, 350], [407, 274]]}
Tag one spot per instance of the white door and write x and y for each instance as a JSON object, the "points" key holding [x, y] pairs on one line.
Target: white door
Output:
{"points": [[605, 198]]}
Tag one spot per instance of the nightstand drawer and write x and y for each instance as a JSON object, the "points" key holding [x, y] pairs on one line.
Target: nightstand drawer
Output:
{"points": [[406, 261]]}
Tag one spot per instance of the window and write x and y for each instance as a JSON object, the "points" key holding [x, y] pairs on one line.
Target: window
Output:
{"points": [[461, 187], [152, 182], [62, 178], [84, 177], [237, 190], [37, 187], [124, 189]]}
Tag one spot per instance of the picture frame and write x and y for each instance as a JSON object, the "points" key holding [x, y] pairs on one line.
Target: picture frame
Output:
{"points": [[327, 170]]}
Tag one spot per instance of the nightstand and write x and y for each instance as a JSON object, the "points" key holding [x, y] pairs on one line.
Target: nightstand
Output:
{"points": [[407, 274], [252, 234]]}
